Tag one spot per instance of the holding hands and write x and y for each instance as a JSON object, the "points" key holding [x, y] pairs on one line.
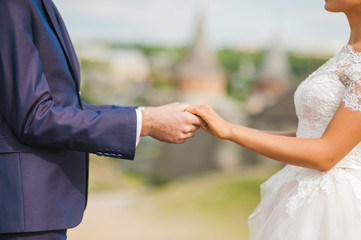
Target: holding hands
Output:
{"points": [[169, 123], [177, 122], [212, 122]]}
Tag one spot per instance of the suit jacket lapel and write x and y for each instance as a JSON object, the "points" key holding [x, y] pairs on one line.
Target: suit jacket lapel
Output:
{"points": [[68, 43], [55, 22]]}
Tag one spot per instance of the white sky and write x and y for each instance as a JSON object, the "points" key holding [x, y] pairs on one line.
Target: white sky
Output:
{"points": [[302, 24]]}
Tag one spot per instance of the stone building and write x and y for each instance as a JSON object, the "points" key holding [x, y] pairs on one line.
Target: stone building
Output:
{"points": [[199, 79], [271, 105]]}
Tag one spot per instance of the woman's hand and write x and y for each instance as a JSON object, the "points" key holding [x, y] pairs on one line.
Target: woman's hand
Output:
{"points": [[213, 123]]}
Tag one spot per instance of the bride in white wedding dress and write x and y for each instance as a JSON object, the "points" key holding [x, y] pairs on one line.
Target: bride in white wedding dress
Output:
{"points": [[317, 195]]}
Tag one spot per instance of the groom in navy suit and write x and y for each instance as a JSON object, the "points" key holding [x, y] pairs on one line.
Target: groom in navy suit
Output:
{"points": [[46, 131]]}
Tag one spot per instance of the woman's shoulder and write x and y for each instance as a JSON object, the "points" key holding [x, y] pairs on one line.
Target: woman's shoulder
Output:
{"points": [[347, 64], [353, 63], [352, 54]]}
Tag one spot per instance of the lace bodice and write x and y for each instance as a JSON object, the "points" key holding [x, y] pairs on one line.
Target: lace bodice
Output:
{"points": [[318, 97]]}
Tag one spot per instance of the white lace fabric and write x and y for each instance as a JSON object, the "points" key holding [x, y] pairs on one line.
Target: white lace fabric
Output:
{"points": [[316, 100], [305, 204]]}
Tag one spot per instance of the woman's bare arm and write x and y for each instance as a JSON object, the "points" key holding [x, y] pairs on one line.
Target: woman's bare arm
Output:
{"points": [[341, 136], [286, 134]]}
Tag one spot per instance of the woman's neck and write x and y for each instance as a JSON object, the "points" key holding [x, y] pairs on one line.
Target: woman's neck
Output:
{"points": [[354, 19]]}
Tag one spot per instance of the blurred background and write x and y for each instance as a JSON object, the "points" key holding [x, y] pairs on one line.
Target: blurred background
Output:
{"points": [[244, 58]]}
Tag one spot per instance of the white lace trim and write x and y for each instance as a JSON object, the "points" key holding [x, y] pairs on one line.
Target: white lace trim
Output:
{"points": [[352, 97], [312, 183]]}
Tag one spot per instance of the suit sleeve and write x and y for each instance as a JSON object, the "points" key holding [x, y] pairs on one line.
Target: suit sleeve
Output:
{"points": [[27, 104], [98, 107]]}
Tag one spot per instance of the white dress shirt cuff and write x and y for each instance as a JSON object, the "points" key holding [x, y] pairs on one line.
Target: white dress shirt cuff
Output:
{"points": [[139, 124]]}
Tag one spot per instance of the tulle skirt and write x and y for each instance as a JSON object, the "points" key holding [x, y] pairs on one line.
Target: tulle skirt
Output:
{"points": [[304, 204]]}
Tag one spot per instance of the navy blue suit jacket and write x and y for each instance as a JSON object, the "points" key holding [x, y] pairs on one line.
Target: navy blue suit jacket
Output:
{"points": [[45, 129]]}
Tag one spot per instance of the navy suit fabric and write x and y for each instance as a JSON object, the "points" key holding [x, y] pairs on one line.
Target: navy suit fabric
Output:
{"points": [[46, 131], [48, 235]]}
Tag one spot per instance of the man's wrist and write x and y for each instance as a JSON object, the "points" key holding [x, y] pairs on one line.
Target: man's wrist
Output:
{"points": [[146, 121]]}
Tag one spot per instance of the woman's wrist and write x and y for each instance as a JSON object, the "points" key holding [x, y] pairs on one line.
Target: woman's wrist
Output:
{"points": [[228, 131]]}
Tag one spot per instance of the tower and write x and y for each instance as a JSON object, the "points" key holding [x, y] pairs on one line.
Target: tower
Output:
{"points": [[200, 71], [273, 79]]}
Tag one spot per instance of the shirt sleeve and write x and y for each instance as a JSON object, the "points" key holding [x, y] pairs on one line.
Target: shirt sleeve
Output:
{"points": [[139, 124]]}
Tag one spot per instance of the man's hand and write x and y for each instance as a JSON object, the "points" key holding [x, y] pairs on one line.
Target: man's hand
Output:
{"points": [[213, 123], [169, 123]]}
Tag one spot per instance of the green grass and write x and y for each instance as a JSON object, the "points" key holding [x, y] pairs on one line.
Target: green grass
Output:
{"points": [[215, 193], [222, 200]]}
